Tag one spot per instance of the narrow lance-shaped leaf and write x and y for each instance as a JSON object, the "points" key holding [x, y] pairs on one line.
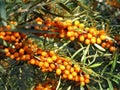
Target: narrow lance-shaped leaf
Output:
{"points": [[110, 84], [3, 12], [96, 65], [65, 7]]}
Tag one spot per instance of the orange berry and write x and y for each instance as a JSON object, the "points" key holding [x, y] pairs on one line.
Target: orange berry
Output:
{"points": [[101, 32], [12, 38], [108, 45], [44, 54], [92, 30], [72, 38], [70, 28], [58, 71], [102, 37], [74, 74], [68, 67], [89, 35], [64, 76], [76, 22], [81, 38], [98, 41], [32, 61], [82, 79], [70, 77], [49, 60], [8, 27], [93, 40], [103, 44], [76, 67], [51, 53], [86, 76], [2, 33], [81, 25], [70, 33], [52, 66], [77, 78], [82, 84], [87, 29], [12, 56], [54, 57], [66, 72], [87, 41], [40, 64], [71, 69], [46, 64], [112, 49], [21, 51], [62, 67], [16, 54], [87, 80]]}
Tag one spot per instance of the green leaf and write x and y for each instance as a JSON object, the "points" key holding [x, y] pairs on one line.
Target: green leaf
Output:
{"points": [[110, 84], [83, 59], [65, 7], [96, 65], [3, 12], [32, 31], [4, 43], [99, 47], [115, 57]]}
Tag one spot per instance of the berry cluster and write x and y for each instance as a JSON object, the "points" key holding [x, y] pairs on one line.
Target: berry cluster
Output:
{"points": [[75, 31], [49, 84], [47, 61]]}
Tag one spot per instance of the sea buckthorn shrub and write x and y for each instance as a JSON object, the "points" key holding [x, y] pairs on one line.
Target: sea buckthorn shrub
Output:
{"points": [[59, 45]]}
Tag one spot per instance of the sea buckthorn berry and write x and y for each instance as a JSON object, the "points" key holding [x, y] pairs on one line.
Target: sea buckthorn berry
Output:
{"points": [[108, 45], [58, 71], [49, 60], [66, 72], [87, 29], [76, 22], [93, 40], [86, 76], [70, 28], [52, 66], [82, 84], [89, 35], [72, 38], [46, 64], [87, 41], [74, 74], [70, 33], [62, 67], [21, 51], [102, 32], [81, 38], [70, 76], [87, 80], [103, 44], [112, 49], [82, 79], [102, 37], [77, 78], [81, 25], [44, 54], [98, 41], [32, 61], [92, 30]]}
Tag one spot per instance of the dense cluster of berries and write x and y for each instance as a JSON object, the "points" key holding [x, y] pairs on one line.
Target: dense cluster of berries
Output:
{"points": [[75, 31], [49, 84], [47, 61]]}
